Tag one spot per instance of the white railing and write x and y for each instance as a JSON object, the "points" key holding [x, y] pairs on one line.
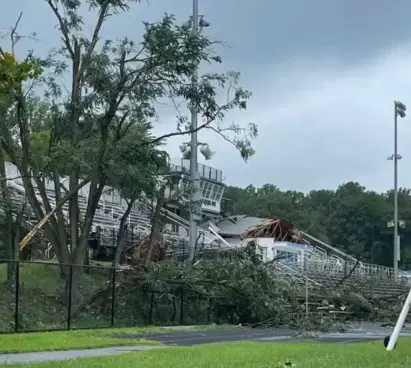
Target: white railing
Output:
{"points": [[137, 218], [332, 266], [108, 216], [296, 275], [329, 249], [17, 186]]}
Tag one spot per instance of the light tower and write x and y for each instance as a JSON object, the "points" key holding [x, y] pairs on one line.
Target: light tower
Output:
{"points": [[197, 24]]}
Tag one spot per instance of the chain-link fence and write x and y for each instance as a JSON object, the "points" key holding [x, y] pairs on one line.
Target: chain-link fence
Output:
{"points": [[44, 296]]}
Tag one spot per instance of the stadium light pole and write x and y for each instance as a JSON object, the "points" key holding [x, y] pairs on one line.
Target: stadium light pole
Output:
{"points": [[197, 23], [399, 111]]}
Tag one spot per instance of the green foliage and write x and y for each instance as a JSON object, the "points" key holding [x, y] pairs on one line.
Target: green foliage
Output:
{"points": [[134, 164], [235, 290], [125, 79], [14, 72]]}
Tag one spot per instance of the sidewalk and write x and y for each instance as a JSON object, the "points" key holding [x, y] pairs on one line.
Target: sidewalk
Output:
{"points": [[48, 356]]}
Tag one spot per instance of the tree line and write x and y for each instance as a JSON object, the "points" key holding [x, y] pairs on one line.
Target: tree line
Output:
{"points": [[351, 218]]}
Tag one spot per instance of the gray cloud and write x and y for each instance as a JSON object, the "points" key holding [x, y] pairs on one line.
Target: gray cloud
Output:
{"points": [[323, 73]]}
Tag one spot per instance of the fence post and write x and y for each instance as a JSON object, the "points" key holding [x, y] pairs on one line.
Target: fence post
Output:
{"points": [[17, 297], [150, 313], [113, 296], [70, 291], [182, 307]]}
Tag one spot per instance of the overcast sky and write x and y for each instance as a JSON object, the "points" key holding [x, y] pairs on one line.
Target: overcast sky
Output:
{"points": [[324, 74]]}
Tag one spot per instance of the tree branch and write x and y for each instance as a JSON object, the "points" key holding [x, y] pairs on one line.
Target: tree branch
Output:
{"points": [[13, 34], [174, 134], [63, 28], [37, 227]]}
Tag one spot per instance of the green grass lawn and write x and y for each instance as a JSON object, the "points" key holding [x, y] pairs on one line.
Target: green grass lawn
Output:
{"points": [[83, 339], [254, 355]]}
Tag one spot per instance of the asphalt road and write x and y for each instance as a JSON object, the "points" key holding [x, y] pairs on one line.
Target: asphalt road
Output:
{"points": [[189, 338]]}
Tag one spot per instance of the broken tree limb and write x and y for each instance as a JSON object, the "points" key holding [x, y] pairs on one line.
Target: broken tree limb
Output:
{"points": [[38, 226]]}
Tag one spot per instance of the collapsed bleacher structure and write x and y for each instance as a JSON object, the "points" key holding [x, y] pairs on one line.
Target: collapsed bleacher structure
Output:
{"points": [[299, 255]]}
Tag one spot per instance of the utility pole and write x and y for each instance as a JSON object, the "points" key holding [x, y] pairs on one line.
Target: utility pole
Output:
{"points": [[194, 175], [399, 111]]}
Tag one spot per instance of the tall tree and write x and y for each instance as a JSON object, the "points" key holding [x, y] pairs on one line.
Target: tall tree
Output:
{"points": [[113, 91], [12, 75]]}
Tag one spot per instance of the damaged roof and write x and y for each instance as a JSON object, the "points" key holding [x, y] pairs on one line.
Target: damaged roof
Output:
{"points": [[255, 227], [236, 225], [278, 230]]}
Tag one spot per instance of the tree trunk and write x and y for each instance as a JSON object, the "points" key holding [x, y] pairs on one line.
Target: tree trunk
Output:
{"points": [[73, 213], [61, 221], [121, 234], [95, 191], [23, 166], [50, 232], [78, 254], [155, 225], [8, 216], [55, 221], [18, 223], [61, 251]]}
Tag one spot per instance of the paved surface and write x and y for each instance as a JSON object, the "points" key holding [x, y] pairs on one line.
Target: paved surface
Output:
{"points": [[189, 338], [71, 354], [356, 333]]}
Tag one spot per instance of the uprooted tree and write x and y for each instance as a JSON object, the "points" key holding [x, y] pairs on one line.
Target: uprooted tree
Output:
{"points": [[96, 131], [238, 287]]}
